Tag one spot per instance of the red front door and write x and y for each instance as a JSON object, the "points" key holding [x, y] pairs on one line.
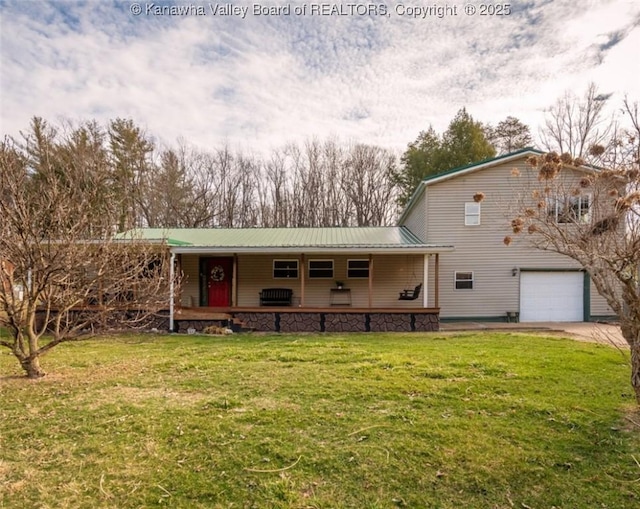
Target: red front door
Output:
{"points": [[219, 274]]}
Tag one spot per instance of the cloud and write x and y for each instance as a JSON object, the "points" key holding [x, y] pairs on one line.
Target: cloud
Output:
{"points": [[262, 81]]}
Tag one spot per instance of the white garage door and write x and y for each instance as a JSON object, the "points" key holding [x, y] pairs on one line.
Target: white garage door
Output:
{"points": [[551, 297]]}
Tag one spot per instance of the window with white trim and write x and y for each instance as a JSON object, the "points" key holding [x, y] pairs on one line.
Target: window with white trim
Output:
{"points": [[357, 269], [463, 280], [570, 209], [471, 214], [320, 269], [285, 269]]}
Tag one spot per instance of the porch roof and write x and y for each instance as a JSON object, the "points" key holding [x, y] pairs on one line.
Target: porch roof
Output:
{"points": [[382, 239]]}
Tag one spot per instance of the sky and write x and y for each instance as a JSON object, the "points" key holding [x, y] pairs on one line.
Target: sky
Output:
{"points": [[264, 74]]}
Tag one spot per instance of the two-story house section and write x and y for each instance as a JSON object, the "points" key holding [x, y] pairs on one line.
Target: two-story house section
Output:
{"points": [[484, 279]]}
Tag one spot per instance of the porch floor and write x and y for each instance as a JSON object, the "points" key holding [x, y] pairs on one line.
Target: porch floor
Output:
{"points": [[321, 319], [223, 313]]}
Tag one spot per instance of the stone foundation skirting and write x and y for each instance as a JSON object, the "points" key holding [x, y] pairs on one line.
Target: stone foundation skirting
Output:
{"points": [[340, 322]]}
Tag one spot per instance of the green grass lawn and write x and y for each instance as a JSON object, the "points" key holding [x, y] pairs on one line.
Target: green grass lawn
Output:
{"points": [[321, 421]]}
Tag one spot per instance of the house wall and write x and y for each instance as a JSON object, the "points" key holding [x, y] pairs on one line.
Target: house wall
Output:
{"points": [[480, 249], [599, 306], [391, 275], [190, 281], [416, 219]]}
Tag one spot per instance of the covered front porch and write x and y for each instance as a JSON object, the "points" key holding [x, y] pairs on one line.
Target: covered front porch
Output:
{"points": [[326, 292], [305, 279]]}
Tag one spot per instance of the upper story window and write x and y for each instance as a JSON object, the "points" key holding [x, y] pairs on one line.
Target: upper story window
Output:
{"points": [[357, 268], [471, 214], [285, 269], [321, 269], [570, 209]]}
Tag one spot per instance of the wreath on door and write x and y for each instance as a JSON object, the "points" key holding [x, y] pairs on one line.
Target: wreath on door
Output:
{"points": [[217, 273]]}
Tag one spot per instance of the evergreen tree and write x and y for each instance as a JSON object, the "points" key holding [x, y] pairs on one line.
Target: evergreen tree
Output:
{"points": [[464, 142], [130, 159]]}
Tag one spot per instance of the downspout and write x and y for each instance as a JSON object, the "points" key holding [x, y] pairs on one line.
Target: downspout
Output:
{"points": [[302, 289], [171, 289], [436, 285], [234, 281]]}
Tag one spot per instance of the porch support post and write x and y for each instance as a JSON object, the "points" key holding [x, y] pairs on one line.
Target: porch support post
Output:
{"points": [[425, 282], [302, 280], [234, 281], [172, 271], [436, 285], [370, 281], [178, 276]]}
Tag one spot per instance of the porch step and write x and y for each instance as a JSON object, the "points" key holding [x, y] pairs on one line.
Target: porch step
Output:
{"points": [[204, 315], [237, 325], [197, 314], [221, 316]]}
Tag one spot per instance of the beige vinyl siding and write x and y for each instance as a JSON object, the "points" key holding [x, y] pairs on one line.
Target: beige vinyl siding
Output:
{"points": [[255, 273], [416, 220], [190, 280], [481, 249], [391, 275], [599, 306]]}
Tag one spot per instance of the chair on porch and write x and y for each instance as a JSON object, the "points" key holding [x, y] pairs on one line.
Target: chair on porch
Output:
{"points": [[410, 294]]}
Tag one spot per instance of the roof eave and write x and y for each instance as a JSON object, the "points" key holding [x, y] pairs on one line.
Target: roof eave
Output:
{"points": [[415, 197], [463, 170], [289, 250]]}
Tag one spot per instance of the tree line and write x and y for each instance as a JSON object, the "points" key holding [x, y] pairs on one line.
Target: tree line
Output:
{"points": [[318, 183], [312, 184]]}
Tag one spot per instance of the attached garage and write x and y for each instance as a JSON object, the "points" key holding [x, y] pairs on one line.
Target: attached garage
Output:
{"points": [[551, 296]]}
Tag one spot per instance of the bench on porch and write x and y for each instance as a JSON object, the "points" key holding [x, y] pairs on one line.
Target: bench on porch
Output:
{"points": [[276, 297]]}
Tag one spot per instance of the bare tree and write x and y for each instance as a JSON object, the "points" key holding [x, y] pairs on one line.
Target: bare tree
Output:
{"points": [[248, 177], [368, 185], [509, 135], [592, 216], [63, 275], [573, 125], [275, 193], [337, 210], [623, 144]]}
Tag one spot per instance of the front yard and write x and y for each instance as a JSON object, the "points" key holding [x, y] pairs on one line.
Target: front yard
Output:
{"points": [[478, 420]]}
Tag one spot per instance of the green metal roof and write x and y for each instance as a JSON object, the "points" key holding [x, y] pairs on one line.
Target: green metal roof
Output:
{"points": [[491, 161], [285, 239]]}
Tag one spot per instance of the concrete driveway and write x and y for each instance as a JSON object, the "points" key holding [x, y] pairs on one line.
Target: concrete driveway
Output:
{"points": [[604, 333]]}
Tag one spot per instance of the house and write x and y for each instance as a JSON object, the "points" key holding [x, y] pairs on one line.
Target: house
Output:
{"points": [[445, 260], [286, 279], [484, 279]]}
